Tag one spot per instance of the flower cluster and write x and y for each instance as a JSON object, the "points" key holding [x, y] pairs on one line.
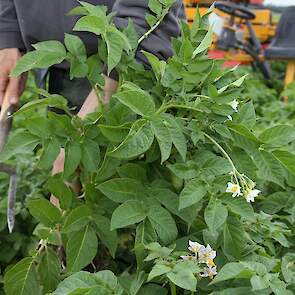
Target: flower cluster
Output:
{"points": [[241, 185], [202, 255]]}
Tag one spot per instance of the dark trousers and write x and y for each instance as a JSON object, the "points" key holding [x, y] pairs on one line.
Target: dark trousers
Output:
{"points": [[59, 82]]}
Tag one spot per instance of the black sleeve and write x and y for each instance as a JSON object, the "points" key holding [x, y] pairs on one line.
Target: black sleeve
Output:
{"points": [[158, 42], [10, 36]]}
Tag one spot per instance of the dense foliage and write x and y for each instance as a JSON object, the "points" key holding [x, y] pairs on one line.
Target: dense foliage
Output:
{"points": [[170, 170]]}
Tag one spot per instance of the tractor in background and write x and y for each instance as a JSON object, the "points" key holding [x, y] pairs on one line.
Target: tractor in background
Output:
{"points": [[243, 28]]}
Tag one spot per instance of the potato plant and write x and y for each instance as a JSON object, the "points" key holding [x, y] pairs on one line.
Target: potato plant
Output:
{"points": [[179, 195]]}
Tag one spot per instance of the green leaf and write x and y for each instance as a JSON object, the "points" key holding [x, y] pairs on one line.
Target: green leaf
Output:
{"points": [[44, 212], [49, 270], [115, 49], [60, 190], [90, 155], [162, 132], [152, 289], [244, 131], [47, 53], [138, 141], [76, 47], [138, 101], [115, 133], [259, 283], [77, 219], [246, 115], [134, 171], [288, 267], [49, 154], [287, 159], [158, 270], [233, 237], [129, 213], [270, 168], [192, 193], [230, 271], [81, 249], [73, 156], [163, 223], [240, 207], [22, 279], [186, 170], [120, 189], [158, 66], [279, 135], [215, 214], [183, 277], [108, 237], [177, 136], [171, 201], [205, 44], [20, 142], [78, 280], [90, 23]]}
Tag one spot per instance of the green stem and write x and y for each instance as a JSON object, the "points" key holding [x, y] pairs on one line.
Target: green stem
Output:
{"points": [[173, 288], [145, 35], [224, 153]]}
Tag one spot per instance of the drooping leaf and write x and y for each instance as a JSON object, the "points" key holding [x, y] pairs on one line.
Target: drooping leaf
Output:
{"points": [[60, 190], [81, 249], [109, 237], [90, 155], [22, 279], [49, 270], [163, 223], [73, 156], [162, 132], [215, 214]]}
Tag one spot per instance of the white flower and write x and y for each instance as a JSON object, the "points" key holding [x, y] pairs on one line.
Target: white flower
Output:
{"points": [[209, 272], [194, 247], [233, 188], [207, 255], [230, 117], [234, 104], [251, 195]]}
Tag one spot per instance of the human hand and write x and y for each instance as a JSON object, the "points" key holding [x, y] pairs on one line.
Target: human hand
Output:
{"points": [[13, 87]]}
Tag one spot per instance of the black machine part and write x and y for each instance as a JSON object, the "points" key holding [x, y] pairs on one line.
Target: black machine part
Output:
{"points": [[229, 37]]}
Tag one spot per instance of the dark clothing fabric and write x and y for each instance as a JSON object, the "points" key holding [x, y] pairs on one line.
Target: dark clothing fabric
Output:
{"points": [[25, 22]]}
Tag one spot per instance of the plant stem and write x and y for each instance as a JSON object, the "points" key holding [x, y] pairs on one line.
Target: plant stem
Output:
{"points": [[145, 35], [222, 150], [173, 288]]}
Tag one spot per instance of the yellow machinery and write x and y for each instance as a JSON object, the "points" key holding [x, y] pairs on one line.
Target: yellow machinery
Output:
{"points": [[263, 25]]}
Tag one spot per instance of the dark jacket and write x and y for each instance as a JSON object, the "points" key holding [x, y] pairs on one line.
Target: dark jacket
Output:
{"points": [[25, 22]]}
